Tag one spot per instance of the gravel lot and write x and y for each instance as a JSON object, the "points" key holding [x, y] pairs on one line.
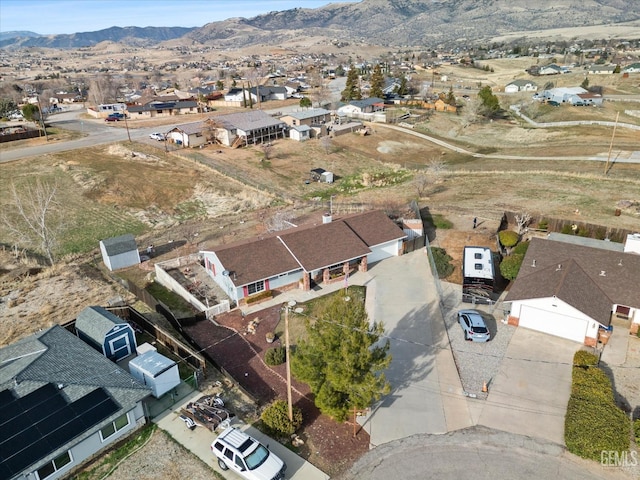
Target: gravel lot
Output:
{"points": [[478, 362]]}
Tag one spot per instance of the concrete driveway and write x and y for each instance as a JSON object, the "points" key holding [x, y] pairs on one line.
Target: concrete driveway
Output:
{"points": [[529, 395], [426, 395]]}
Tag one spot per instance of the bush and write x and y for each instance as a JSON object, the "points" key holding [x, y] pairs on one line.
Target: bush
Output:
{"points": [[258, 296], [543, 224], [442, 261], [508, 238], [567, 230], [593, 422], [275, 356], [510, 266], [636, 428], [521, 249], [276, 418]]}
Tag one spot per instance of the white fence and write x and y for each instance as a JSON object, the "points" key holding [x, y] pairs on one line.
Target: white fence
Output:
{"points": [[602, 123], [192, 262]]}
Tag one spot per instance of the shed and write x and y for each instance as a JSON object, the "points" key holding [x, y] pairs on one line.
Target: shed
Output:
{"points": [[106, 332], [119, 252], [155, 371], [326, 177]]}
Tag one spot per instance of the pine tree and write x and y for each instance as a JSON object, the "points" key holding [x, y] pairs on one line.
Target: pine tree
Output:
{"points": [[352, 89], [403, 88], [341, 359], [377, 82], [451, 98], [490, 104]]}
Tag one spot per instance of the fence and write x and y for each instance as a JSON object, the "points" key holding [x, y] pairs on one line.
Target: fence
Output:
{"points": [[563, 225], [10, 137], [602, 123]]}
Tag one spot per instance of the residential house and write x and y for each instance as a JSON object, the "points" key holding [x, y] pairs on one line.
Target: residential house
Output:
{"points": [[563, 94], [602, 69], [158, 108], [242, 95], [244, 128], [633, 68], [552, 69], [314, 119], [520, 85], [367, 105], [120, 252], [591, 99], [106, 332], [191, 134], [573, 291], [61, 403], [304, 256], [254, 95]]}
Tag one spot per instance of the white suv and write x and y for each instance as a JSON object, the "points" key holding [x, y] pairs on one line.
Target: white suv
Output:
{"points": [[246, 456]]}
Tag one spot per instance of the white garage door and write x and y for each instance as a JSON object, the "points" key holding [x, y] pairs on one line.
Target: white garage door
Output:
{"points": [[553, 323], [380, 252]]}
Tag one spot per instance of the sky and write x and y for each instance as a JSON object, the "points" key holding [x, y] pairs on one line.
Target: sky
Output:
{"points": [[48, 17]]}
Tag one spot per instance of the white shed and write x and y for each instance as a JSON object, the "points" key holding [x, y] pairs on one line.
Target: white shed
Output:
{"points": [[326, 177], [155, 371], [120, 252]]}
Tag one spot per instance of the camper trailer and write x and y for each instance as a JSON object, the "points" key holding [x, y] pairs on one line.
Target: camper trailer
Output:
{"points": [[478, 275]]}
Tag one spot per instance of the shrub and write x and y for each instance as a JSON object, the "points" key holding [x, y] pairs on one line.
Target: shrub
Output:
{"points": [[510, 266], [593, 422], [508, 238], [543, 224], [442, 261], [636, 428], [275, 356], [276, 418], [567, 230], [521, 249], [258, 296]]}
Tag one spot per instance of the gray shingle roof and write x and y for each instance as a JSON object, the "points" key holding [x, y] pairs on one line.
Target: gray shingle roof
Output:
{"points": [[590, 279], [122, 244], [247, 121], [96, 322], [311, 113]]}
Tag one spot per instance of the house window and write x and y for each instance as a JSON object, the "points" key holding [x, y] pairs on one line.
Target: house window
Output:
{"points": [[477, 256], [255, 287], [54, 465], [115, 426], [478, 266]]}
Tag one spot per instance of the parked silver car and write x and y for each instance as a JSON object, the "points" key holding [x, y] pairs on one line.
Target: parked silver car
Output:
{"points": [[474, 327]]}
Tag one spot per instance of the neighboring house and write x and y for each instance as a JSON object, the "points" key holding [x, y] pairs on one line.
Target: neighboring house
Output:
{"points": [[159, 108], [572, 291], [304, 256], [368, 105], [315, 118], [602, 69], [61, 403], [550, 70], [241, 95], [120, 252], [64, 97], [633, 68], [520, 86], [562, 94], [106, 109], [592, 99], [249, 127], [191, 134], [106, 332]]}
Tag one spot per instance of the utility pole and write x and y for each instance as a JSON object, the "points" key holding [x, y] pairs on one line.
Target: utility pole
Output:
{"points": [[126, 124], [41, 115], [606, 166], [288, 358]]}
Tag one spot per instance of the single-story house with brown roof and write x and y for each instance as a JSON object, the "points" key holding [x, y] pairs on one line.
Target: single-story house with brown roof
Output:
{"points": [[304, 255], [573, 291]]}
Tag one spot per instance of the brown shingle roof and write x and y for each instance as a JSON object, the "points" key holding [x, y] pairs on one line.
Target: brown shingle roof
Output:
{"points": [[309, 247], [590, 279]]}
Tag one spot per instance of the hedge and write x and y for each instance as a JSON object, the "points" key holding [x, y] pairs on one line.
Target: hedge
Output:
{"points": [[593, 422]]}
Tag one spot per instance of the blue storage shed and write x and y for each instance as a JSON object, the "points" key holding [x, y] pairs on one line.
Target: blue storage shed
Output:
{"points": [[107, 333]]}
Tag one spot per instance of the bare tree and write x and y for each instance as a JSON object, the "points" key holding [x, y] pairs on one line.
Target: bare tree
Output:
{"points": [[421, 183], [522, 222], [33, 217], [267, 150], [103, 89], [326, 143], [471, 113], [436, 168]]}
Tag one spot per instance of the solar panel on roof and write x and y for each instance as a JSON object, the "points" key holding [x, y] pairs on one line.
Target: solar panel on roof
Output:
{"points": [[25, 440]]}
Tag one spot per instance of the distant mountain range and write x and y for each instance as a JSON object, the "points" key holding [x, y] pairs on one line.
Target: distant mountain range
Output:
{"points": [[376, 22], [132, 35]]}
